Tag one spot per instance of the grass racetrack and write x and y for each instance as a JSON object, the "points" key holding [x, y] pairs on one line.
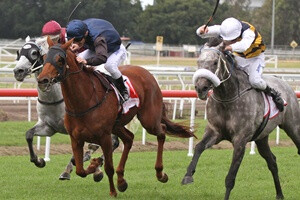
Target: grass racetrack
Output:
{"points": [[21, 179]]}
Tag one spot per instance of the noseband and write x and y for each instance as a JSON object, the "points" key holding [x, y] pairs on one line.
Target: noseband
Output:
{"points": [[213, 77]]}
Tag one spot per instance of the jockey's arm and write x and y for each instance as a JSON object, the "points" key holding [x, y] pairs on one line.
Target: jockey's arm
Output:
{"points": [[212, 31], [247, 38], [100, 52]]}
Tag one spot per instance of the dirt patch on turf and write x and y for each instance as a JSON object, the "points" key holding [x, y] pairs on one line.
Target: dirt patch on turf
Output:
{"points": [[56, 149]]}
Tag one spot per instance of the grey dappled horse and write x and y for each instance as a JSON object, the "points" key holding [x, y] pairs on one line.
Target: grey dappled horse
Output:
{"points": [[235, 113], [50, 104]]}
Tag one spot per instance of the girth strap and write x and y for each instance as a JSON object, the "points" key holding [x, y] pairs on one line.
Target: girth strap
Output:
{"points": [[261, 127]]}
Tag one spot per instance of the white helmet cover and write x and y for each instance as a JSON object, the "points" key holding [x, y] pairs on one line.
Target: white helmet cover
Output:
{"points": [[231, 29]]}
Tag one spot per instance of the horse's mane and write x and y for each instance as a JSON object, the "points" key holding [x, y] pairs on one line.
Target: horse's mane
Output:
{"points": [[89, 69], [214, 41], [43, 44]]}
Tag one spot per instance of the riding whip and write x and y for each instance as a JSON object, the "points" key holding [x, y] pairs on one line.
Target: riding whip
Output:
{"points": [[214, 12], [73, 11]]}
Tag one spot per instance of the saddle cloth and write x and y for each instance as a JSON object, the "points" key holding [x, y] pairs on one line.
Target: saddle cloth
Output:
{"points": [[270, 106], [133, 96]]}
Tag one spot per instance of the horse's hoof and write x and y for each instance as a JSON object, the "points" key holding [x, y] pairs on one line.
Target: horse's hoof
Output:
{"points": [[100, 161], [164, 179], [87, 156], [65, 176], [73, 161], [113, 194], [187, 180], [280, 197], [98, 176], [123, 187], [40, 163]]}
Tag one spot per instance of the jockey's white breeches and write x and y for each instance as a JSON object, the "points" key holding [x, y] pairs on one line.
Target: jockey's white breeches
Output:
{"points": [[254, 68], [113, 61]]}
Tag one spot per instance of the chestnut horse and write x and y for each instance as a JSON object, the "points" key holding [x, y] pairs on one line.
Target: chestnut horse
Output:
{"points": [[93, 112]]}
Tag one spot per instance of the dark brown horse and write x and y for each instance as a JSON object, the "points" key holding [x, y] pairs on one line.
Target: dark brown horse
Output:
{"points": [[92, 112]]}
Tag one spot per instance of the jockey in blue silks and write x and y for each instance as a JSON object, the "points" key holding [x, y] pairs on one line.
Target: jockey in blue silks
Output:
{"points": [[247, 45], [102, 44]]}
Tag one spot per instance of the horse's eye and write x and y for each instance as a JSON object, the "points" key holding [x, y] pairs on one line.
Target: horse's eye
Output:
{"points": [[33, 54], [215, 63], [61, 61]]}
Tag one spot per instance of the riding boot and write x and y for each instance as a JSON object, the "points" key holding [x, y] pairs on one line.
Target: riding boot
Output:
{"points": [[276, 97], [122, 88]]}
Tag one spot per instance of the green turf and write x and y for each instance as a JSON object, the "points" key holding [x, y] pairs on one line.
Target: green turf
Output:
{"points": [[20, 179]]}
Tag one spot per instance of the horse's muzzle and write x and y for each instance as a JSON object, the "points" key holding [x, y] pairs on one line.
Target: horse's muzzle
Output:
{"points": [[44, 84], [202, 92], [20, 74]]}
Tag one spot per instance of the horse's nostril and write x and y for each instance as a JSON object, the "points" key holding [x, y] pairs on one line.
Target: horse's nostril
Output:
{"points": [[19, 71], [205, 88], [43, 81]]}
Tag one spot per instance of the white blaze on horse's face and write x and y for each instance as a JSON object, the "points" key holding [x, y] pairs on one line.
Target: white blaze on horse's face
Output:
{"points": [[22, 68]]}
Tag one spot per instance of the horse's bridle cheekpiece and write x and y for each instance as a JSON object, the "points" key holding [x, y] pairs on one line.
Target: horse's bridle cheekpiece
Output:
{"points": [[51, 56]]}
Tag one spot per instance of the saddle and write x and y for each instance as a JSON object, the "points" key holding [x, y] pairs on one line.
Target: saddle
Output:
{"points": [[108, 82], [104, 79]]}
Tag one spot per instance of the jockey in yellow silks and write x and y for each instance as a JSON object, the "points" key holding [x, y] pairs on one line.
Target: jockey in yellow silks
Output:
{"points": [[247, 45]]}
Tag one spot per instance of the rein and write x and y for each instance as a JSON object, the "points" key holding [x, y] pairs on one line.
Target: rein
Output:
{"points": [[99, 102], [217, 72], [80, 114], [232, 99], [219, 64]]}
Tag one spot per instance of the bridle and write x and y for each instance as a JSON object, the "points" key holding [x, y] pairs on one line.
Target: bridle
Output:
{"points": [[221, 60], [227, 70], [34, 55], [63, 74]]}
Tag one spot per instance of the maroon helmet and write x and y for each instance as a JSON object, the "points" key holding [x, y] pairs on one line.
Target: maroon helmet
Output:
{"points": [[51, 28]]}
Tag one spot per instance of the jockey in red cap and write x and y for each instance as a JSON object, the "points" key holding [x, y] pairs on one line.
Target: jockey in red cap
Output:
{"points": [[55, 31]]}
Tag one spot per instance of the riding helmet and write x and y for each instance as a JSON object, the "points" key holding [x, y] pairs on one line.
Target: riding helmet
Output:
{"points": [[51, 28], [76, 29], [231, 29]]}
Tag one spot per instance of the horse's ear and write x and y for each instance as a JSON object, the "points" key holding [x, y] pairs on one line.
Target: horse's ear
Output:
{"points": [[221, 46], [27, 39], [50, 42], [67, 44]]}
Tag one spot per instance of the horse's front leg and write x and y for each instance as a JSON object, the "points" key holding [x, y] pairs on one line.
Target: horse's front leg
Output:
{"points": [[66, 175], [42, 130], [127, 139], [77, 148], [209, 139], [238, 155], [106, 146]]}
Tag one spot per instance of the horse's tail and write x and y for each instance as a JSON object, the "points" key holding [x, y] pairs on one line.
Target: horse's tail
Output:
{"points": [[174, 129]]}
